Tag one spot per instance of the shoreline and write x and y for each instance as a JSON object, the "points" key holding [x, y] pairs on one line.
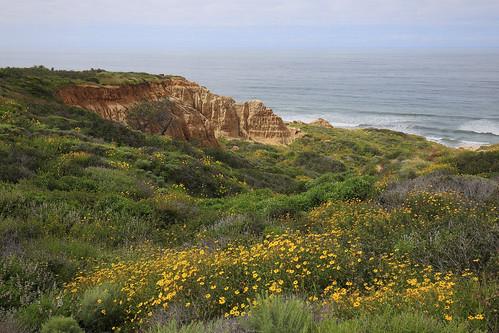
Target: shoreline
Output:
{"points": [[464, 145]]}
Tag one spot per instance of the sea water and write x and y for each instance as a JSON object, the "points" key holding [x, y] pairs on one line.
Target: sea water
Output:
{"points": [[449, 96]]}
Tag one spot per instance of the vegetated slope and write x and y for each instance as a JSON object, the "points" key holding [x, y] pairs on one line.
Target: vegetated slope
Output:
{"points": [[120, 228]]}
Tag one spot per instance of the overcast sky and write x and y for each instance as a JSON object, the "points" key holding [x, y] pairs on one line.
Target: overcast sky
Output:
{"points": [[297, 24]]}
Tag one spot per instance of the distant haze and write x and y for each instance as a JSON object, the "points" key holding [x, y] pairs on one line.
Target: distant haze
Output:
{"points": [[155, 25]]}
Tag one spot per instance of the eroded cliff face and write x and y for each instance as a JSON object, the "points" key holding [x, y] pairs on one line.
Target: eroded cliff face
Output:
{"points": [[198, 114]]}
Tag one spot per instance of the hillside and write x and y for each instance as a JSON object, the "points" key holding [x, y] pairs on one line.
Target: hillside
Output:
{"points": [[173, 209]]}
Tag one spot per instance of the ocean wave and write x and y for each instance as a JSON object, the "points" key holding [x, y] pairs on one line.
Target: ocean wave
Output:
{"points": [[345, 125], [469, 130], [416, 114], [435, 139], [483, 126], [472, 144]]}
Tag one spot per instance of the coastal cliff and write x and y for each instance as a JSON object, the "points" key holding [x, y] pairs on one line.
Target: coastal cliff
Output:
{"points": [[197, 113]]}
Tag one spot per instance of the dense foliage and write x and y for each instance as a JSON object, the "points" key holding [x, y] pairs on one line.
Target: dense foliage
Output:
{"points": [[106, 228]]}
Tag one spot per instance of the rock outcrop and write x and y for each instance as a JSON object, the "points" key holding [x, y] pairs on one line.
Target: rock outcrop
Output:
{"points": [[114, 103], [199, 114], [321, 123], [178, 121]]}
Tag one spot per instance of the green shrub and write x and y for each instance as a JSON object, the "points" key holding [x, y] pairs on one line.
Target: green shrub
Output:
{"points": [[60, 324], [74, 162], [61, 256], [118, 181], [286, 205], [228, 158], [360, 188], [233, 227], [326, 178], [474, 163], [175, 206], [410, 169], [405, 322], [276, 181], [471, 187], [280, 315], [31, 317], [318, 163], [450, 232], [439, 229], [100, 310], [22, 281], [14, 230]]}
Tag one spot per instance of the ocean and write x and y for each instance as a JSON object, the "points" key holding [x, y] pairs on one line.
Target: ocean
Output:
{"points": [[448, 96]]}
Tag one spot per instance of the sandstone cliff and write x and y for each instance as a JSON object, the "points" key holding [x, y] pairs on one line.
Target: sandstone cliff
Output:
{"points": [[197, 114]]}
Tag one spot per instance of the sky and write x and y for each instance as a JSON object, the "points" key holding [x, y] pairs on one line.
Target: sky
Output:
{"points": [[154, 25]]}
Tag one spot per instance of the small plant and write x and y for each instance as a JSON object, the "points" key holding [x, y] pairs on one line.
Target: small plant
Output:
{"points": [[31, 317], [100, 308], [280, 315], [60, 324]]}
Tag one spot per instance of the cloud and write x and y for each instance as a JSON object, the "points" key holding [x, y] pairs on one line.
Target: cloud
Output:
{"points": [[218, 24], [218, 13]]}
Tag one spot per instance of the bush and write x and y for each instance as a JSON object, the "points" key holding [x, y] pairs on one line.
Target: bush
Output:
{"points": [[277, 182], [405, 322], [22, 281], [474, 163], [228, 158], [360, 188], [412, 168], [175, 206], [118, 181], [231, 227], [280, 315], [60, 324], [471, 187], [31, 317], [451, 233], [355, 188], [319, 163], [286, 205], [439, 229], [327, 178], [100, 310]]}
